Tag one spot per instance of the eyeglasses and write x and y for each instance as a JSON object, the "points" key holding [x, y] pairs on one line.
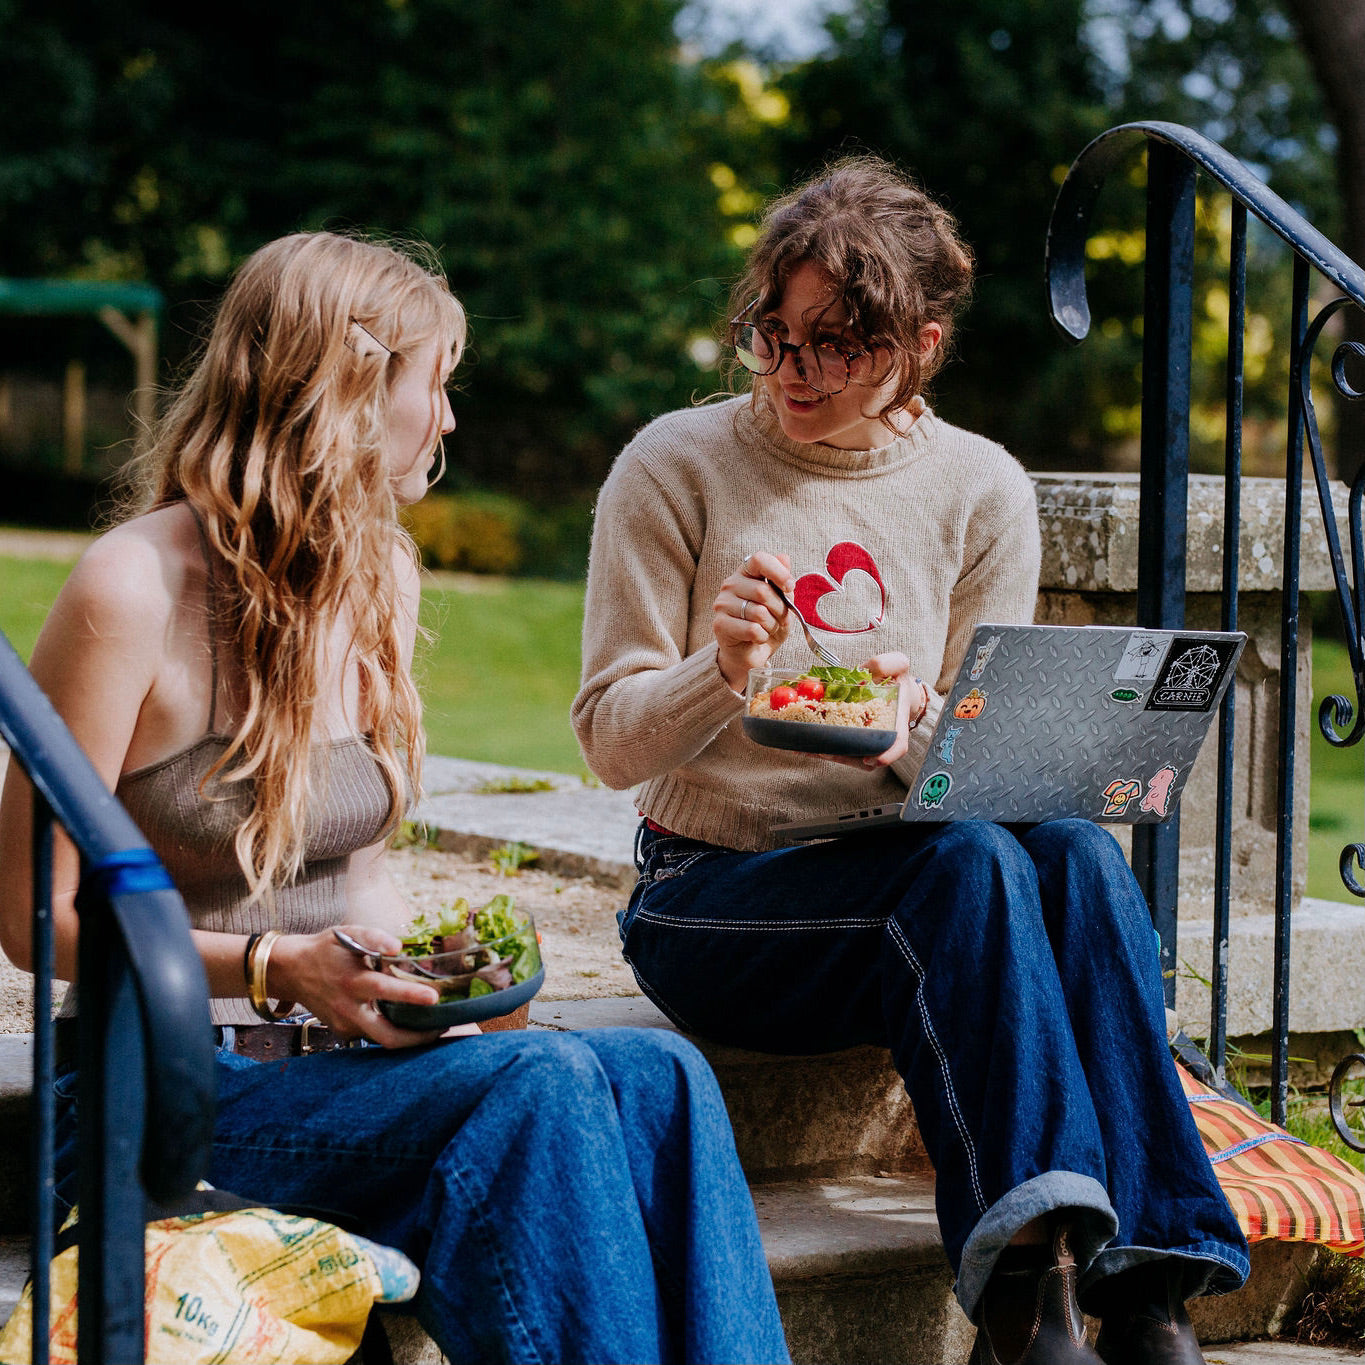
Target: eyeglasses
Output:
{"points": [[823, 366]]}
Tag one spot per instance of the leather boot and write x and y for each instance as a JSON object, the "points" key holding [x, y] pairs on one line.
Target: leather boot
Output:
{"points": [[1143, 1320], [1029, 1314]]}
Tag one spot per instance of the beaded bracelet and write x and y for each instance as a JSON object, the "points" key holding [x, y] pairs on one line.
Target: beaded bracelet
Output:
{"points": [[924, 708], [257, 962]]}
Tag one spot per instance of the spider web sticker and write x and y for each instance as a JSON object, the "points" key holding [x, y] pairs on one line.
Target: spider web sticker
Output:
{"points": [[1190, 674]]}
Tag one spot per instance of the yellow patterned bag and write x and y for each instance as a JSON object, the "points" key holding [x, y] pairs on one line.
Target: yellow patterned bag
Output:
{"points": [[247, 1285]]}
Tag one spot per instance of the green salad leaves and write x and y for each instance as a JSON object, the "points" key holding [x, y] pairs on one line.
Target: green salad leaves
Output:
{"points": [[497, 946], [842, 684]]}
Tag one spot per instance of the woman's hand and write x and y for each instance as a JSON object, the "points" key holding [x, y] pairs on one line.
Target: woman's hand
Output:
{"points": [[332, 982], [912, 693], [750, 620]]}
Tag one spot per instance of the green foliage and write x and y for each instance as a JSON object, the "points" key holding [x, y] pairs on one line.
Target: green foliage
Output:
{"points": [[487, 532], [509, 859], [497, 786], [558, 159]]}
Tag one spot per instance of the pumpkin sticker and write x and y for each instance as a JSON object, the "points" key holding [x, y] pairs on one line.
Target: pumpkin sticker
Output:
{"points": [[971, 706]]}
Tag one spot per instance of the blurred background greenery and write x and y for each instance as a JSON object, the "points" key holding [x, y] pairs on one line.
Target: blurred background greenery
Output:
{"points": [[591, 172]]}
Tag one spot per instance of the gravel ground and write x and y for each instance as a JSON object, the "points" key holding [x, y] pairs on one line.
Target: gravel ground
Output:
{"points": [[576, 919]]}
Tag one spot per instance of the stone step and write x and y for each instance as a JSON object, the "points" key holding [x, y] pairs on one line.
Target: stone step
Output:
{"points": [[860, 1275], [843, 1194]]}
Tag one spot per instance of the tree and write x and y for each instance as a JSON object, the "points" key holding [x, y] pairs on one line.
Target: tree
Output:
{"points": [[1333, 36], [557, 156]]}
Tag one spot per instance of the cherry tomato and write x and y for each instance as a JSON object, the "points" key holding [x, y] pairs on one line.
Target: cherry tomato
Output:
{"points": [[781, 696], [811, 689]]}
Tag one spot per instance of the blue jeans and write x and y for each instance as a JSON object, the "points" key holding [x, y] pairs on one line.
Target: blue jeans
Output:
{"points": [[568, 1197], [1014, 975]]}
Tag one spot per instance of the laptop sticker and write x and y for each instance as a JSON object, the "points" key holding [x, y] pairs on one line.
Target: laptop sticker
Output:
{"points": [[1142, 657], [983, 657], [933, 791], [971, 706], [1119, 793], [1125, 694], [945, 745], [1159, 791], [1189, 677]]}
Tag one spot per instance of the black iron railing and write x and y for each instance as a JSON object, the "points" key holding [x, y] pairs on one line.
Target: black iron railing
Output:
{"points": [[1175, 156], [146, 1103]]}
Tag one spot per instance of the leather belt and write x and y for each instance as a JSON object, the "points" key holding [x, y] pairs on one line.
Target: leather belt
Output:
{"points": [[260, 1042], [272, 1042]]}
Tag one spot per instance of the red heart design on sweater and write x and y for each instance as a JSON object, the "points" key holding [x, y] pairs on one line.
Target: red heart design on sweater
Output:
{"points": [[845, 557]]}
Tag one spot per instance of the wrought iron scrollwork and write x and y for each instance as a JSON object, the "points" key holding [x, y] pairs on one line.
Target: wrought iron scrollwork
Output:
{"points": [[1337, 712]]}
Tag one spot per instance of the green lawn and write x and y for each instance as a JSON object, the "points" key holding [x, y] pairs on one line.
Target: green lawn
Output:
{"points": [[497, 676], [1338, 788]]}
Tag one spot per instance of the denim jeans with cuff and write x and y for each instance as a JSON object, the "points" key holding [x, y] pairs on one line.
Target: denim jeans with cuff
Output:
{"points": [[568, 1197], [1014, 975]]}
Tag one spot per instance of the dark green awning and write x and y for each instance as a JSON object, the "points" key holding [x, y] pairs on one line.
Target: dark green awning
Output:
{"points": [[57, 298]]}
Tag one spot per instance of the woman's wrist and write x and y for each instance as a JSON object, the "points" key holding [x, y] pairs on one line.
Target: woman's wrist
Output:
{"points": [[923, 708], [258, 983]]}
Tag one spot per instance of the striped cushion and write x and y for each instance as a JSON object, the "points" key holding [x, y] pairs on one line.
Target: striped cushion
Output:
{"points": [[1279, 1186]]}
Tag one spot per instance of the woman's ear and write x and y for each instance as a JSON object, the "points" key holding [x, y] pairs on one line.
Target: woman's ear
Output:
{"points": [[930, 335]]}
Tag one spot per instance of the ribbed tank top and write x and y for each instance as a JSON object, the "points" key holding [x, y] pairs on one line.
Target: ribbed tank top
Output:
{"points": [[191, 826]]}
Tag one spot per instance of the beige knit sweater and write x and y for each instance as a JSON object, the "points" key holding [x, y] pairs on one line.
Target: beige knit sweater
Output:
{"points": [[903, 548]]}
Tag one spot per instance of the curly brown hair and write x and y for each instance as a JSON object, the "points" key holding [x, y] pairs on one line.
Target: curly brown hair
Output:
{"points": [[892, 254]]}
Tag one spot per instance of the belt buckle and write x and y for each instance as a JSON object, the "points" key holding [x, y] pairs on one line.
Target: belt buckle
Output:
{"points": [[305, 1047]]}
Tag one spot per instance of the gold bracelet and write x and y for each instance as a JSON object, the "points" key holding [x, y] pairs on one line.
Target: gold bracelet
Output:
{"points": [[258, 961]]}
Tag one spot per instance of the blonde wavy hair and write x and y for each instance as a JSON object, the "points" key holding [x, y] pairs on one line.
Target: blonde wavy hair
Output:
{"points": [[277, 443]]}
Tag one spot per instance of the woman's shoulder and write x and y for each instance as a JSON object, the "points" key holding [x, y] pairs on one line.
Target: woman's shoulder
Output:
{"points": [[687, 433], [140, 566], [981, 466]]}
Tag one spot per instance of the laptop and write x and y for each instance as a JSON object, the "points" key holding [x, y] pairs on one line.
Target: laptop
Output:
{"points": [[1049, 722]]}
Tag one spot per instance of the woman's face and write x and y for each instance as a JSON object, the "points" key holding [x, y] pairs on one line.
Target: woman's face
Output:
{"points": [[419, 414], [846, 420]]}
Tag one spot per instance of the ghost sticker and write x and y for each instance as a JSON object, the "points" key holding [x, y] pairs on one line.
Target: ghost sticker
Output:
{"points": [[983, 657], [933, 791], [1119, 793], [945, 745], [971, 706], [1159, 791]]}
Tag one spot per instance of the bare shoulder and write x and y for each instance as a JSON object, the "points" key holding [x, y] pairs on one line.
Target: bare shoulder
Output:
{"points": [[137, 572], [407, 575]]}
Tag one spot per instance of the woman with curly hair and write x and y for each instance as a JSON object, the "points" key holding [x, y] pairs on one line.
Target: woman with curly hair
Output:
{"points": [[235, 659], [1012, 973]]}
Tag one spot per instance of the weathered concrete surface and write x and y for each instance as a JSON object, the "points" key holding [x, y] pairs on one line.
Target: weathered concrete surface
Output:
{"points": [[1326, 950], [578, 830], [1089, 525]]}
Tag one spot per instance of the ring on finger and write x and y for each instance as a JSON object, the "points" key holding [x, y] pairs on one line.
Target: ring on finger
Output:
{"points": [[744, 610]]}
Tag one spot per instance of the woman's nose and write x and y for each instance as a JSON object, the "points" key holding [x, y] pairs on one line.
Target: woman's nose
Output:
{"points": [[447, 414]]}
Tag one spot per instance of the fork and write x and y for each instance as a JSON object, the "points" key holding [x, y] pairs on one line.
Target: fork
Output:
{"points": [[826, 655]]}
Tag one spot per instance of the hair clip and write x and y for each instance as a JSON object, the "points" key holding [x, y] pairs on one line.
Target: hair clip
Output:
{"points": [[362, 349]]}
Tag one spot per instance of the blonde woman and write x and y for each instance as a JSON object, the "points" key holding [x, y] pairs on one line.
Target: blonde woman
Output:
{"points": [[235, 659]]}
